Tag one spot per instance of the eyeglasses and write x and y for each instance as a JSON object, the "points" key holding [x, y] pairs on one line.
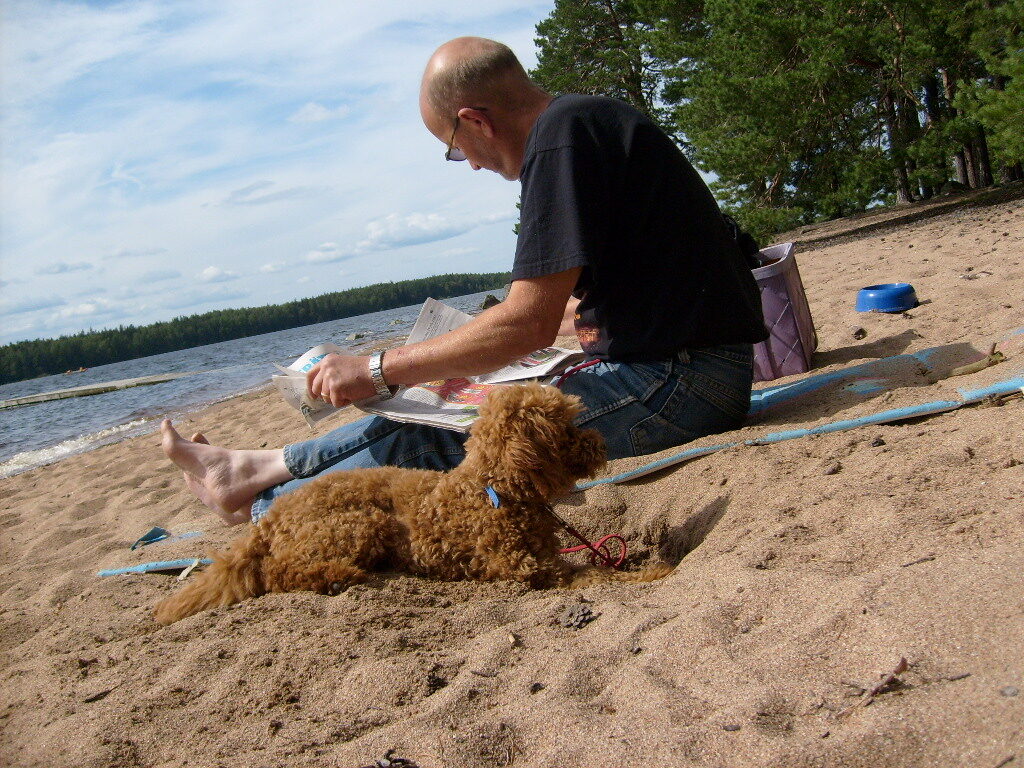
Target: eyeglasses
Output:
{"points": [[453, 152]]}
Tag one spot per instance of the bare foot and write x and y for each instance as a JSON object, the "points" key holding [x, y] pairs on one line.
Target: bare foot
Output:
{"points": [[237, 517], [226, 481]]}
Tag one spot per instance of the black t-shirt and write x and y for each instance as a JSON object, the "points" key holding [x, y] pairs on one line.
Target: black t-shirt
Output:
{"points": [[605, 189]]}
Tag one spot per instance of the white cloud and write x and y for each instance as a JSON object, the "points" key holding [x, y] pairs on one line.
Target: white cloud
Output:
{"points": [[312, 112], [128, 253], [216, 275], [395, 231], [202, 300], [255, 194], [17, 329], [31, 304], [326, 253], [453, 252], [96, 308], [62, 267], [49, 45], [159, 275], [269, 269], [119, 174], [398, 231]]}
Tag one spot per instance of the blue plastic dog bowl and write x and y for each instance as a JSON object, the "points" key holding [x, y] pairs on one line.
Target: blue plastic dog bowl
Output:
{"points": [[888, 297]]}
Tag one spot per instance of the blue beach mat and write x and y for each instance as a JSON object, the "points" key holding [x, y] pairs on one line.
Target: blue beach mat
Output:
{"points": [[860, 382], [163, 565], [865, 380]]}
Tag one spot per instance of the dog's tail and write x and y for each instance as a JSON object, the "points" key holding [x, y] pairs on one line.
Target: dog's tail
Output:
{"points": [[592, 574], [234, 575]]}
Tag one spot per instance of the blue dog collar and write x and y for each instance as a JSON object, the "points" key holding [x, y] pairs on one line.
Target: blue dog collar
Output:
{"points": [[493, 494]]}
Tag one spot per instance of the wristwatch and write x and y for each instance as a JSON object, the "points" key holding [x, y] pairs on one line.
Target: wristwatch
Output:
{"points": [[377, 376]]}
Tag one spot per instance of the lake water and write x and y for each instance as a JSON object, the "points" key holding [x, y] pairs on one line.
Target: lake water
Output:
{"points": [[34, 435]]}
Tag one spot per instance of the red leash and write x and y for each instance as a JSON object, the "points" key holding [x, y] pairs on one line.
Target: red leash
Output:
{"points": [[575, 369], [599, 552]]}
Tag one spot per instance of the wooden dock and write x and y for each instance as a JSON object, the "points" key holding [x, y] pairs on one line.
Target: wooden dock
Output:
{"points": [[90, 389]]}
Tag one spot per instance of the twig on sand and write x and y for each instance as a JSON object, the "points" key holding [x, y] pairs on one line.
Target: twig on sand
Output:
{"points": [[925, 559], [887, 680], [185, 574], [992, 358], [1005, 761]]}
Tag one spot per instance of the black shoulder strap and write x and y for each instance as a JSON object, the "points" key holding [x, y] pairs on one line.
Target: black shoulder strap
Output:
{"points": [[748, 245]]}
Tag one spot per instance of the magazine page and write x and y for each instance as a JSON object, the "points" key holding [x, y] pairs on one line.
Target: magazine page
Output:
{"points": [[543, 362], [436, 319], [450, 404]]}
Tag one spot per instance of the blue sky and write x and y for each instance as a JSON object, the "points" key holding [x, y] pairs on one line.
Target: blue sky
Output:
{"points": [[167, 157]]}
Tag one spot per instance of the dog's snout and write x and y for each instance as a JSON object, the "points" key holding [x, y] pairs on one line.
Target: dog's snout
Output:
{"points": [[588, 453]]}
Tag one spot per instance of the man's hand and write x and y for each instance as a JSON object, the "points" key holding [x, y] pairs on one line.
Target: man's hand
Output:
{"points": [[340, 380], [568, 325]]}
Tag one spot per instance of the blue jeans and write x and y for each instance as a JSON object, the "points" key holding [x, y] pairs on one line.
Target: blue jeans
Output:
{"points": [[639, 408]]}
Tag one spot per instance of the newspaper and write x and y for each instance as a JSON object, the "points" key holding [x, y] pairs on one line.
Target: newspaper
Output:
{"points": [[451, 404], [291, 383]]}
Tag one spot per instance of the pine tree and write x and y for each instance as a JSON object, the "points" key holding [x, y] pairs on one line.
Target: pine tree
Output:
{"points": [[598, 47]]}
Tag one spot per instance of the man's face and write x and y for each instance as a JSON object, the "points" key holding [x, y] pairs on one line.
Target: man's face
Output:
{"points": [[470, 137]]}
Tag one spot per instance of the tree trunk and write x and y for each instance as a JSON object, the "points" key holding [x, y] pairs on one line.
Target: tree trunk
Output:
{"points": [[960, 164], [984, 163], [896, 148], [910, 129], [936, 116], [933, 108], [632, 78], [961, 159], [973, 177]]}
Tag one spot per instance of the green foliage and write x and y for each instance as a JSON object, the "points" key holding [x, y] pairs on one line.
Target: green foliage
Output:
{"points": [[762, 222], [997, 101], [772, 111], [27, 359], [806, 110], [598, 47]]}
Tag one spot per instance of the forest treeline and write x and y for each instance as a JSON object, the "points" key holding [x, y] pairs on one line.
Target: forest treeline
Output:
{"points": [[27, 359], [808, 110]]}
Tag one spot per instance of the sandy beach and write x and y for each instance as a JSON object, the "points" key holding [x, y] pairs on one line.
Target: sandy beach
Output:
{"points": [[807, 570]]}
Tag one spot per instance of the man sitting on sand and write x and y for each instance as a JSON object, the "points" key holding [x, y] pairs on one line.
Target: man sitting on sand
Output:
{"points": [[619, 239]]}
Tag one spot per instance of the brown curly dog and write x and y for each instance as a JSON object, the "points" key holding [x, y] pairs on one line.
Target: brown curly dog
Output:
{"points": [[333, 531]]}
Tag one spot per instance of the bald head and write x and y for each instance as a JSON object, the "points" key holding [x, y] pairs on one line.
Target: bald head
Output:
{"points": [[474, 70], [477, 97]]}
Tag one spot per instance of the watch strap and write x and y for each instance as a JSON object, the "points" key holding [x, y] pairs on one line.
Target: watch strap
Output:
{"points": [[377, 376]]}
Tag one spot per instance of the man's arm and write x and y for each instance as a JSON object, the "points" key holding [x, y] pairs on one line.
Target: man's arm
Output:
{"points": [[528, 319]]}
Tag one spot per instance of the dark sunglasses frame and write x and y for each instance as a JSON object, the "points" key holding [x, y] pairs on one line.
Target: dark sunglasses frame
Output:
{"points": [[453, 153]]}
